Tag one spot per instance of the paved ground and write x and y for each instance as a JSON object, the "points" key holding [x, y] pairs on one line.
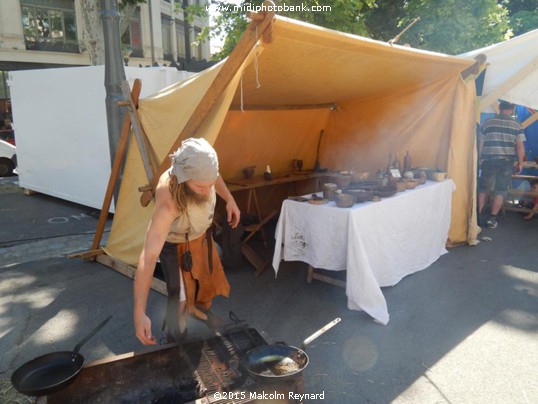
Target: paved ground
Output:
{"points": [[465, 330]]}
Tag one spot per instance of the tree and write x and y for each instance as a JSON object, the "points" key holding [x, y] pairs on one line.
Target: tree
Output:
{"points": [[523, 15], [341, 15], [447, 26], [93, 38]]}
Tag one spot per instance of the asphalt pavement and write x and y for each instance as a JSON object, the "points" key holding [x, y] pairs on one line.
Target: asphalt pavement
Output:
{"points": [[464, 330]]}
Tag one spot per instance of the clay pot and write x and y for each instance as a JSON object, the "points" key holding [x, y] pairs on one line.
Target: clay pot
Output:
{"points": [[342, 180], [328, 190], [344, 200], [248, 172]]}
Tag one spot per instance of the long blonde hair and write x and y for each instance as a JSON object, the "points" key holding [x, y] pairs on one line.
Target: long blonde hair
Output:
{"points": [[178, 193]]}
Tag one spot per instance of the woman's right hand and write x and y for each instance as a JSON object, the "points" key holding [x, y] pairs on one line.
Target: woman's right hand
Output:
{"points": [[143, 329]]}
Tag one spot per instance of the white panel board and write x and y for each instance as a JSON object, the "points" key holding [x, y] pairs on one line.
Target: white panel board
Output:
{"points": [[59, 116]]}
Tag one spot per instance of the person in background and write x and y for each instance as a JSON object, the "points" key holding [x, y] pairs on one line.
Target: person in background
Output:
{"points": [[501, 152], [534, 204], [179, 235]]}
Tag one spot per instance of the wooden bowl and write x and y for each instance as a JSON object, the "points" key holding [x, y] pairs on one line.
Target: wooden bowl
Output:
{"points": [[321, 201], [344, 200], [410, 184], [386, 191], [438, 176], [400, 185]]}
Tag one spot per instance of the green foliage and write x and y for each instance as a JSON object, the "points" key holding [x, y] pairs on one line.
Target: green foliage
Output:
{"points": [[123, 3], [523, 15], [341, 15], [524, 21], [447, 26]]}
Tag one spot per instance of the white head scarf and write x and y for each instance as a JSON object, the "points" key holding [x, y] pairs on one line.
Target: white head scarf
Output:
{"points": [[195, 160]]}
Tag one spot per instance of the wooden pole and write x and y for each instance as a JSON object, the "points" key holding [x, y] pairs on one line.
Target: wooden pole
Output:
{"points": [[141, 139], [280, 107], [229, 69], [530, 120], [114, 174]]}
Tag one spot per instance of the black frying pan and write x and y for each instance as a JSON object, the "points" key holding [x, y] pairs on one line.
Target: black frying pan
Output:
{"points": [[278, 361], [53, 371]]}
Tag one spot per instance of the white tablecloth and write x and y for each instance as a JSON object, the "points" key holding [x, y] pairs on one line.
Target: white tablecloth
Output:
{"points": [[378, 243]]}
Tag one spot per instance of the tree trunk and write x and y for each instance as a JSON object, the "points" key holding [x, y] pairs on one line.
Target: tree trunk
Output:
{"points": [[92, 35], [126, 13]]}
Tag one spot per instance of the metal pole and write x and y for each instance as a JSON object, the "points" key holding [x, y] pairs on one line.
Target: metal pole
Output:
{"points": [[114, 74]]}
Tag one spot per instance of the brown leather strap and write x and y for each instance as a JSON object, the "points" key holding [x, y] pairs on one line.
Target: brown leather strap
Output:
{"points": [[209, 239]]}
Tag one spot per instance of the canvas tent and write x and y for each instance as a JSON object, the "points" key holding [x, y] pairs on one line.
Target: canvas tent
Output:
{"points": [[371, 99], [512, 71]]}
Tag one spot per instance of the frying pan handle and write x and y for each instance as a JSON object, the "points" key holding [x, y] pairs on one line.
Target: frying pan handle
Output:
{"points": [[91, 334], [319, 332]]}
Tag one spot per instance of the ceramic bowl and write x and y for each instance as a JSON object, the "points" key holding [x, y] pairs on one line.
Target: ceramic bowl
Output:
{"points": [[386, 191], [342, 180], [361, 195], [344, 200], [438, 176]]}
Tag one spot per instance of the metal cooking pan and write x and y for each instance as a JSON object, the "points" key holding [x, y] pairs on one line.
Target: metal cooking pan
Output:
{"points": [[53, 371], [278, 361]]}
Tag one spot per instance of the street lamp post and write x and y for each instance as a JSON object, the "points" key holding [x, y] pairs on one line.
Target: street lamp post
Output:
{"points": [[114, 74]]}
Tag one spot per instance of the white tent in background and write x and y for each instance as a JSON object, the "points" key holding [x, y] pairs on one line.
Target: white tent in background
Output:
{"points": [[512, 72]]}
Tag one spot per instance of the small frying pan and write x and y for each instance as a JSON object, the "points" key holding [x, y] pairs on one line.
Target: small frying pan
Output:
{"points": [[53, 371], [278, 361]]}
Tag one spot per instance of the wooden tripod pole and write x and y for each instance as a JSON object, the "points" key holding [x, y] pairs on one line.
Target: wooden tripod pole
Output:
{"points": [[116, 166]]}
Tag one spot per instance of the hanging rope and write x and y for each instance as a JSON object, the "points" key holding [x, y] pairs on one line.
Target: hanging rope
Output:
{"points": [[256, 71], [258, 85], [241, 85]]}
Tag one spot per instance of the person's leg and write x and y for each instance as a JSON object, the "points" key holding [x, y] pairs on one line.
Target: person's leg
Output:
{"points": [[503, 179], [182, 313], [170, 268], [497, 205], [481, 202], [486, 183]]}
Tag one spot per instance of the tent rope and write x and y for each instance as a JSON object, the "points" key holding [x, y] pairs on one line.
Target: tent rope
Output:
{"points": [[241, 85], [256, 70], [258, 85]]}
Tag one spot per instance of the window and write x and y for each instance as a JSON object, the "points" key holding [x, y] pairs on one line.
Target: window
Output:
{"points": [[180, 35], [198, 49], [132, 38], [49, 25], [166, 22]]}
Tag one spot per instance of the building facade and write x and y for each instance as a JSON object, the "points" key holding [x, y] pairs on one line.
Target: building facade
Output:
{"points": [[37, 34]]}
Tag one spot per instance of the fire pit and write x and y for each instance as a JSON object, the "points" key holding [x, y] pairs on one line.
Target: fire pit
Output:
{"points": [[205, 370]]}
